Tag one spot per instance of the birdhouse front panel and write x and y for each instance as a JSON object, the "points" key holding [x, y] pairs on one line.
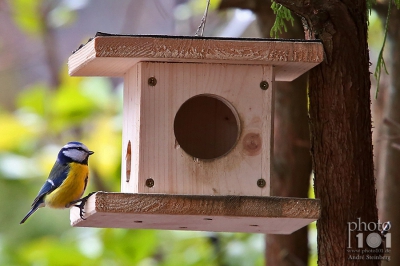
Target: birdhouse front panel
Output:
{"points": [[199, 129]]}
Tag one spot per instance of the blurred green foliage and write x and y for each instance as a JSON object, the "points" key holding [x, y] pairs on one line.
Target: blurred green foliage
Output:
{"points": [[26, 14]]}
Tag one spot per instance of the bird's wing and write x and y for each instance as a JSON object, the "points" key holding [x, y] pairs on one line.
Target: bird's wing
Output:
{"points": [[58, 174]]}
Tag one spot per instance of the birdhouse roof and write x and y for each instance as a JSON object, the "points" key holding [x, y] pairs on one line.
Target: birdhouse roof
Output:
{"points": [[112, 55]]}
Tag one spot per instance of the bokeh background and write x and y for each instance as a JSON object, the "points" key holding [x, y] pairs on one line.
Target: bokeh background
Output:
{"points": [[42, 108]]}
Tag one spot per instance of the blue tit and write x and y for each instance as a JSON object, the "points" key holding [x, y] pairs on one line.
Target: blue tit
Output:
{"points": [[67, 180]]}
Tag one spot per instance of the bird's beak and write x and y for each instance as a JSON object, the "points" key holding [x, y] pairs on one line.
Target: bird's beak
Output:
{"points": [[90, 152]]}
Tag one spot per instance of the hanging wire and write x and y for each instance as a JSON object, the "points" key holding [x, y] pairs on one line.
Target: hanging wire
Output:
{"points": [[200, 29]]}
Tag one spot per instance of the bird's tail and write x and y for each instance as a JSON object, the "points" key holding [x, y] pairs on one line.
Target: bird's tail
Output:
{"points": [[34, 208]]}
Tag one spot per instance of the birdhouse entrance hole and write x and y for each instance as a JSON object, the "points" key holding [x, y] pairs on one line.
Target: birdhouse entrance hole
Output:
{"points": [[206, 126]]}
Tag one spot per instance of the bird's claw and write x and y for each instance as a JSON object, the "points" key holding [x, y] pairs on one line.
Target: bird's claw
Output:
{"points": [[81, 205], [81, 211]]}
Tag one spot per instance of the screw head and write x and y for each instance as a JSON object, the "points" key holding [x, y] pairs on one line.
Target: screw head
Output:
{"points": [[264, 85], [261, 183], [149, 182], [152, 81]]}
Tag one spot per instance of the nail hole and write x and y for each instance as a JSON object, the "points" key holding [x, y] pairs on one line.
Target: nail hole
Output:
{"points": [[152, 81], [261, 183], [264, 85], [149, 182]]}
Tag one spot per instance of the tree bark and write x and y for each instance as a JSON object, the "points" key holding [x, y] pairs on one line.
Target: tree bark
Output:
{"points": [[340, 124], [292, 160]]}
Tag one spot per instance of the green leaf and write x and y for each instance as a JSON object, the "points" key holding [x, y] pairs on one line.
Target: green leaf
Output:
{"points": [[283, 15]]}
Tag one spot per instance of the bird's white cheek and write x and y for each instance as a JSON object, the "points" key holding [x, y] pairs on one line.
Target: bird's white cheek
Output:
{"points": [[75, 155]]}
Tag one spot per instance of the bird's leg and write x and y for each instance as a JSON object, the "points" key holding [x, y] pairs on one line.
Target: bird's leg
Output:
{"points": [[81, 205]]}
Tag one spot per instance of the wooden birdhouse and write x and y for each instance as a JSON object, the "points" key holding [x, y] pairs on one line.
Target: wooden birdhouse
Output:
{"points": [[197, 132]]}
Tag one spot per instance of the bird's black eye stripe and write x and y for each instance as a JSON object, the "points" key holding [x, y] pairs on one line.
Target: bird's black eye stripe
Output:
{"points": [[74, 148]]}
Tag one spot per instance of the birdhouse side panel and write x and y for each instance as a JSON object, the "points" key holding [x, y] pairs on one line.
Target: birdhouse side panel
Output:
{"points": [[205, 129], [131, 130]]}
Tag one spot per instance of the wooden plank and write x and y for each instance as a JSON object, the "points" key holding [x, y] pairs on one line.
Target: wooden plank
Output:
{"points": [[114, 55], [272, 215], [131, 127], [161, 158], [267, 119]]}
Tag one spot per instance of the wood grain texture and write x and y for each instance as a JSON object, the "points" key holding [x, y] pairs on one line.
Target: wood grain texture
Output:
{"points": [[114, 55], [149, 113], [275, 215], [131, 127]]}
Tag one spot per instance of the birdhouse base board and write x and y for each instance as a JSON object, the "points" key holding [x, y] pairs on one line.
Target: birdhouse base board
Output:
{"points": [[268, 215]]}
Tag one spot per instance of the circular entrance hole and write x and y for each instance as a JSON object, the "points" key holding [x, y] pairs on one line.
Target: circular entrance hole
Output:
{"points": [[206, 126]]}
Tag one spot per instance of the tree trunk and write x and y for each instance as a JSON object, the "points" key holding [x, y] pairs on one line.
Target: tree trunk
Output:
{"points": [[292, 160], [340, 124], [389, 173]]}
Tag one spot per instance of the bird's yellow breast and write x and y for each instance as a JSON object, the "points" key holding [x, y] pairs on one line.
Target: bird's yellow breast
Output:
{"points": [[71, 189]]}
